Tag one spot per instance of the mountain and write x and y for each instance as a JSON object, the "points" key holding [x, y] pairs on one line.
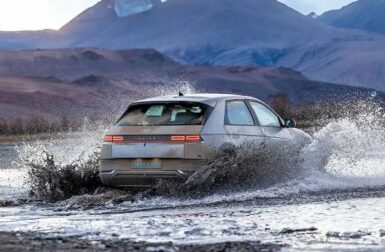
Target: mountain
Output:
{"points": [[198, 31], [226, 33], [367, 15], [23, 97], [242, 32], [86, 81], [313, 15], [22, 39], [69, 65]]}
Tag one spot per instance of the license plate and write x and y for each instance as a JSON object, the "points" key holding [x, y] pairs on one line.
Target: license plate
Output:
{"points": [[147, 164]]}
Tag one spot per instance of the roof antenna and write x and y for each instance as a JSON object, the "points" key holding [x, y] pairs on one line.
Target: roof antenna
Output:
{"points": [[181, 93]]}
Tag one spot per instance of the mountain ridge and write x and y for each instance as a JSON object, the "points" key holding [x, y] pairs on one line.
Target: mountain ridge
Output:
{"points": [[226, 33], [367, 15], [53, 83]]}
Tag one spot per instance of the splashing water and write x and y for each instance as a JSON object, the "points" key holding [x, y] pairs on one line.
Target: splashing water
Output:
{"points": [[60, 168], [335, 184], [351, 149], [345, 154], [238, 169], [52, 181]]}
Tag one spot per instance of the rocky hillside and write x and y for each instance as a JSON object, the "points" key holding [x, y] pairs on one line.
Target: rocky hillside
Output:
{"points": [[85, 82]]}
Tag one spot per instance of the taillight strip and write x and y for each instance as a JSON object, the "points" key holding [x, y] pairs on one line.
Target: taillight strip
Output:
{"points": [[117, 139], [108, 139], [113, 139], [193, 138], [153, 139], [178, 138]]}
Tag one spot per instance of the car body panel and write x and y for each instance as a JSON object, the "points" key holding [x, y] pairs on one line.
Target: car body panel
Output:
{"points": [[118, 172], [148, 150], [275, 135], [240, 134]]}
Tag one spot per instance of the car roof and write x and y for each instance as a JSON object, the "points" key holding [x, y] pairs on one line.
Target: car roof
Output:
{"points": [[210, 99]]}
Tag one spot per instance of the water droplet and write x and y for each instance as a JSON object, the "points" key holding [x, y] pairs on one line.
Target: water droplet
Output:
{"points": [[374, 93]]}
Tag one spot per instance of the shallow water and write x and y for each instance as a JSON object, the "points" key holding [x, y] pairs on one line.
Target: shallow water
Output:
{"points": [[216, 223], [340, 195]]}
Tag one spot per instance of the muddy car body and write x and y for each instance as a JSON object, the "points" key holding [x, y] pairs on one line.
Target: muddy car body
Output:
{"points": [[172, 136]]}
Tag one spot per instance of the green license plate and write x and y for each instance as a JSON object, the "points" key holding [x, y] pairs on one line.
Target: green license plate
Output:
{"points": [[147, 164]]}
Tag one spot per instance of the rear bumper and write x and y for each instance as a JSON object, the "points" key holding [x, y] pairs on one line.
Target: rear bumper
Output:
{"points": [[117, 172]]}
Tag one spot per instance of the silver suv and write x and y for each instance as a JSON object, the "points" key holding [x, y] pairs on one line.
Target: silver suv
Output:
{"points": [[172, 136]]}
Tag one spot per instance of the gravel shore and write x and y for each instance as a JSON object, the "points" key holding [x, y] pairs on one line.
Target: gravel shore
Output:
{"points": [[36, 242]]}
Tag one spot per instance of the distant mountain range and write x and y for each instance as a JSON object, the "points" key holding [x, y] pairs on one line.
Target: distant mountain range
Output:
{"points": [[85, 82], [367, 15], [223, 33]]}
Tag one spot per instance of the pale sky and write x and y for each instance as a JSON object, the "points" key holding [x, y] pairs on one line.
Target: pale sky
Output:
{"points": [[52, 14], [39, 14], [318, 6]]}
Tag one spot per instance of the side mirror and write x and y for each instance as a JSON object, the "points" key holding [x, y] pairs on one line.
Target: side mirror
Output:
{"points": [[290, 123]]}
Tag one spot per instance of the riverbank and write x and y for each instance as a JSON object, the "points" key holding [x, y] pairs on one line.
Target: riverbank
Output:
{"points": [[26, 137], [41, 136], [37, 242]]}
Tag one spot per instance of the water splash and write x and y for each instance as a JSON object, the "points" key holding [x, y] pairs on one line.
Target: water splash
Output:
{"points": [[240, 168], [60, 168], [347, 153], [49, 180], [351, 148]]}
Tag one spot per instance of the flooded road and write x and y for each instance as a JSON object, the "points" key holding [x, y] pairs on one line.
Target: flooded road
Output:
{"points": [[336, 203]]}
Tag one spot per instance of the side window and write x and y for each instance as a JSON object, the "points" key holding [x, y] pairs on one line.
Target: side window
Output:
{"points": [[237, 113], [265, 116]]}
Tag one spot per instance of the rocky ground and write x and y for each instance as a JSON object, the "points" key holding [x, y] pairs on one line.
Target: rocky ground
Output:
{"points": [[35, 242]]}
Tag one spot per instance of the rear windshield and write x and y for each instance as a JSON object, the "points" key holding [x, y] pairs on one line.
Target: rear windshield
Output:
{"points": [[164, 114]]}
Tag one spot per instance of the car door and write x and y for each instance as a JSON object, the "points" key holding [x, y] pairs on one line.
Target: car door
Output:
{"points": [[240, 125], [271, 124]]}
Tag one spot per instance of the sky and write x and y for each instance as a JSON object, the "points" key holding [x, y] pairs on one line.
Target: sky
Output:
{"points": [[39, 14], [52, 14], [318, 6]]}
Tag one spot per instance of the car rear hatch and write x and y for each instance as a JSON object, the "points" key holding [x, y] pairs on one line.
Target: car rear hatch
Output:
{"points": [[154, 141], [159, 130]]}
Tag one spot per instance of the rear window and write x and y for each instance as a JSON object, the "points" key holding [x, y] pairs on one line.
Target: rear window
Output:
{"points": [[163, 114]]}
